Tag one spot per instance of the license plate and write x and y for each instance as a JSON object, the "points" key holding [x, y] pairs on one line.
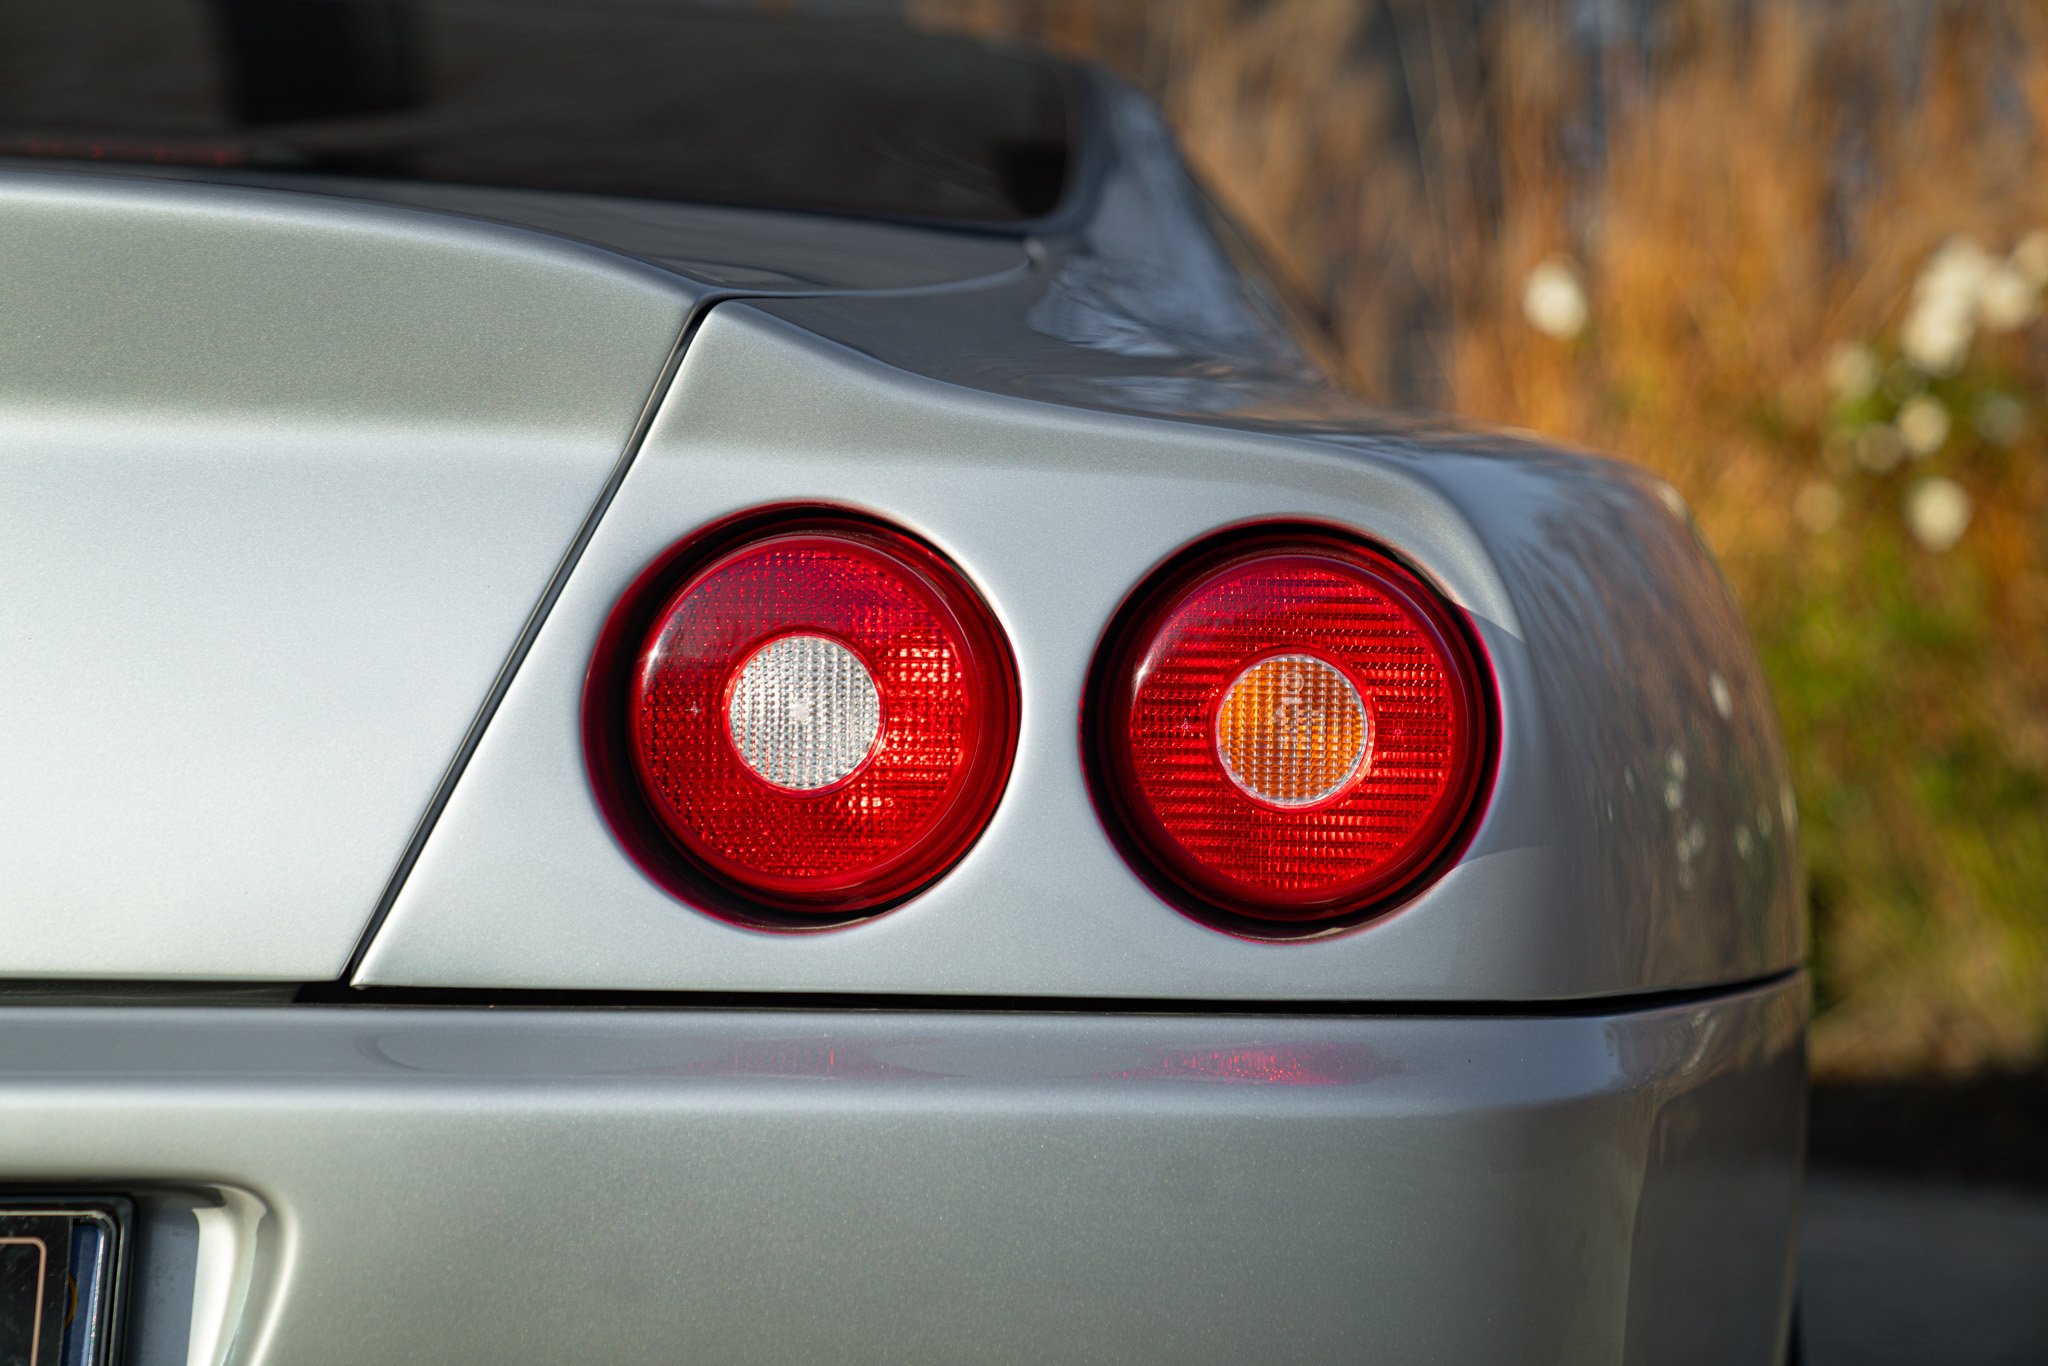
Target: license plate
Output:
{"points": [[59, 1265]]}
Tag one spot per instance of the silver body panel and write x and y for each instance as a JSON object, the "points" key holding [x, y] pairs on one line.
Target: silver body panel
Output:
{"points": [[711, 246], [280, 479], [314, 468], [776, 1186], [1582, 879]]}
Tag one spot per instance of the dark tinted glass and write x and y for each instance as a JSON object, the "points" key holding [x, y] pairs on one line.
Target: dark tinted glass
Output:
{"points": [[647, 100]]}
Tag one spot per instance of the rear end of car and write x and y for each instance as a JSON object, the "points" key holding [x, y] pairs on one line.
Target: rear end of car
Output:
{"points": [[843, 790]]}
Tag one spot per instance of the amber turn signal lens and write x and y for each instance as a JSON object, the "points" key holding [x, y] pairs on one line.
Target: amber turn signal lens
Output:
{"points": [[1291, 731]]}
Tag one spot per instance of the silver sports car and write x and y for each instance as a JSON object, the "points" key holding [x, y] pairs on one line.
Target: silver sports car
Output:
{"points": [[683, 688]]}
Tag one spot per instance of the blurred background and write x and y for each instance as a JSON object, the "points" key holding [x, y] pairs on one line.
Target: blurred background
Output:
{"points": [[1792, 257]]}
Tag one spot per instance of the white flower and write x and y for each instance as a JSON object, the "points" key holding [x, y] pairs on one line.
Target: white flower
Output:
{"points": [[1937, 336], [2030, 257], [1922, 425], [1937, 332], [1817, 507], [1956, 271], [2006, 299], [1553, 300], [1853, 373], [1937, 512]]}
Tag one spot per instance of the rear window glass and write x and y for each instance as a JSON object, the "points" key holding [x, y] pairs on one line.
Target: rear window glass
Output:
{"points": [[649, 100]]}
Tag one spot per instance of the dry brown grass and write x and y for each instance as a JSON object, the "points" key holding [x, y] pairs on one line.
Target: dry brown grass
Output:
{"points": [[1749, 197]]}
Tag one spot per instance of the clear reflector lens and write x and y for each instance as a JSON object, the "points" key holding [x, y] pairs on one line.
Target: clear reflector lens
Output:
{"points": [[804, 713], [1291, 730]]}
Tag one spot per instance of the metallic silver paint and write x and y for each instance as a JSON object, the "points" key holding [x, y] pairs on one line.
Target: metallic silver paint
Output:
{"points": [[454, 1186], [304, 466], [521, 883], [755, 250], [729, 248], [280, 479]]}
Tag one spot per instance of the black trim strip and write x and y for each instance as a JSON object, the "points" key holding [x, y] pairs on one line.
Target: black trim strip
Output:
{"points": [[77, 994], [530, 631], [333, 994]]}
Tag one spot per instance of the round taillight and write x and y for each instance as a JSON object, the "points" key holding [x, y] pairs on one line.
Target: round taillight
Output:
{"points": [[800, 719], [1285, 728]]}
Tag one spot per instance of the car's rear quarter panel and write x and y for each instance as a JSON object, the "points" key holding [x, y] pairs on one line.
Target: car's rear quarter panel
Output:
{"points": [[286, 480], [281, 478], [1635, 840]]}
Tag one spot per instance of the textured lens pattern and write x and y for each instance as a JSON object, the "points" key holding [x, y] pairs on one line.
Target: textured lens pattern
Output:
{"points": [[1296, 734], [804, 712], [836, 672], [1291, 730]]}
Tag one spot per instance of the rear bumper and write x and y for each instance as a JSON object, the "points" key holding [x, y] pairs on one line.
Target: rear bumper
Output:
{"points": [[571, 1185]]}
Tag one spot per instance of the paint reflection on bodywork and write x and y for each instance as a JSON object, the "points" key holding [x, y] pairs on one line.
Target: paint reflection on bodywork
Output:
{"points": [[860, 1057], [1326, 1065], [809, 1059], [1647, 675]]}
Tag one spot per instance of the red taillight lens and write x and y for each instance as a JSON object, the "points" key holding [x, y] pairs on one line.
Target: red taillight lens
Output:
{"points": [[1288, 727], [812, 718]]}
